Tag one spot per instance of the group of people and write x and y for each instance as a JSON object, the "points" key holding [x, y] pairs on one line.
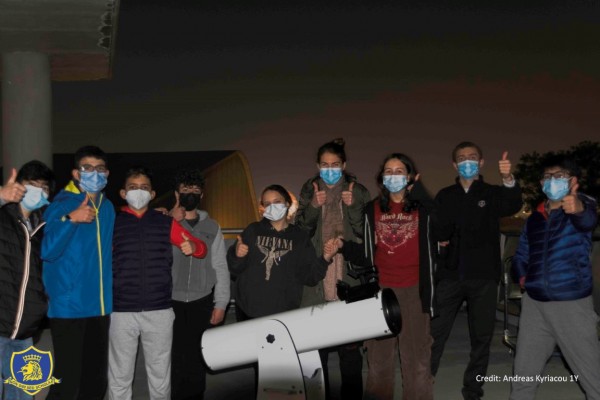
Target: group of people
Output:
{"points": [[435, 254], [107, 280]]}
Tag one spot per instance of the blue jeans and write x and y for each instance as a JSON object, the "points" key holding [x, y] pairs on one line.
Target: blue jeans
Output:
{"points": [[7, 348]]}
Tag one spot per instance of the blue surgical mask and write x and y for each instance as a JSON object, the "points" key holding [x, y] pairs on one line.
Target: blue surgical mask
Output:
{"points": [[468, 169], [330, 176], [275, 212], [93, 182], [34, 198], [556, 188], [395, 183]]}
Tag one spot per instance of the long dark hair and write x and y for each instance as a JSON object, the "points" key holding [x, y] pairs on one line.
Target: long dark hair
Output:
{"points": [[384, 194]]}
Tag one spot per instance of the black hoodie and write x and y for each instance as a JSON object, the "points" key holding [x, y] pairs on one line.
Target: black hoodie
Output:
{"points": [[271, 276]]}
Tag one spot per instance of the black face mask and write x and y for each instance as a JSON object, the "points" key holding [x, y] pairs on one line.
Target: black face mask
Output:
{"points": [[189, 201]]}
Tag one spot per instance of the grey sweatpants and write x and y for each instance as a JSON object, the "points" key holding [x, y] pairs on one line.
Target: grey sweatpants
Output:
{"points": [[543, 325], [156, 331]]}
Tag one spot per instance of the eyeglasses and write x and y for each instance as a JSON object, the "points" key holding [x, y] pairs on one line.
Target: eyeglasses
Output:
{"points": [[91, 168], [555, 175]]}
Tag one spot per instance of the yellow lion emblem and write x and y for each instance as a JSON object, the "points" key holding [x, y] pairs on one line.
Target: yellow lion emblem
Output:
{"points": [[31, 371]]}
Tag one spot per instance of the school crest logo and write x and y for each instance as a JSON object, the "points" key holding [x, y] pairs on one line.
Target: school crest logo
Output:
{"points": [[481, 203], [31, 370]]}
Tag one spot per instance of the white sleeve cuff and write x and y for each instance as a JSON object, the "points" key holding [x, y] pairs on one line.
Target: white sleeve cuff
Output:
{"points": [[509, 182]]}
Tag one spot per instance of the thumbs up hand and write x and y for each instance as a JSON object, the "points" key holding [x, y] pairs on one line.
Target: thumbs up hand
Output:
{"points": [[504, 166], [84, 213], [571, 203], [241, 249], [187, 246], [12, 191], [177, 212], [347, 195], [319, 196]]}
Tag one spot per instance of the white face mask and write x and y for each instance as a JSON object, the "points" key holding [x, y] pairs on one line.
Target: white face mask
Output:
{"points": [[275, 212], [138, 199]]}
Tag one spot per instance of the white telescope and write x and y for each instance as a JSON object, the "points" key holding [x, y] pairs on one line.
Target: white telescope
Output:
{"points": [[285, 345]]}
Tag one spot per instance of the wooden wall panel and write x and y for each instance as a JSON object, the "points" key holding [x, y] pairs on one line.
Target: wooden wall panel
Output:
{"points": [[230, 197]]}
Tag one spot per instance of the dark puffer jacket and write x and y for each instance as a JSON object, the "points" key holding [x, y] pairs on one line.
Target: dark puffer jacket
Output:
{"points": [[554, 253], [142, 258], [23, 301]]}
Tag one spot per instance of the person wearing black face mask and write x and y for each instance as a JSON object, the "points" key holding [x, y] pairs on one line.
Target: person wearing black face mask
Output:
{"points": [[189, 201], [200, 288]]}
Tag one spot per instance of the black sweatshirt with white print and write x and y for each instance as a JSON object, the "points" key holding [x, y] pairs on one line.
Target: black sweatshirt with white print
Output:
{"points": [[270, 278]]}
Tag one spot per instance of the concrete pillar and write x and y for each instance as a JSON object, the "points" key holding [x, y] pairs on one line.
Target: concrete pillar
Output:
{"points": [[26, 109]]}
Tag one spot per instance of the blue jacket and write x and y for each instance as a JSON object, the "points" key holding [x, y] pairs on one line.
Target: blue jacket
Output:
{"points": [[78, 257], [554, 253]]}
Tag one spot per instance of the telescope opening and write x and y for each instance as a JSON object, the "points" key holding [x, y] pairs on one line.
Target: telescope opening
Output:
{"points": [[391, 310]]}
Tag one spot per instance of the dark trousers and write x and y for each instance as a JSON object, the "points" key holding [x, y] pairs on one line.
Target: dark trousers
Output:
{"points": [[350, 370], [81, 357], [188, 371], [481, 298]]}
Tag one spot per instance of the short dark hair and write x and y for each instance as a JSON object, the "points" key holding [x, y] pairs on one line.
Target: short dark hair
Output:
{"points": [[464, 145], [336, 146], [189, 177], [89, 151], [562, 161], [35, 170], [279, 189], [138, 170]]}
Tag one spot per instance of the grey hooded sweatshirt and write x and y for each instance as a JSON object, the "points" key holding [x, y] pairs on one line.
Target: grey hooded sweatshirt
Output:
{"points": [[195, 278]]}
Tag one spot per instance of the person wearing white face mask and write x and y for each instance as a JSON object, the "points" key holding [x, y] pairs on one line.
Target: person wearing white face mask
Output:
{"points": [[398, 242], [553, 265], [272, 260], [22, 308], [142, 261]]}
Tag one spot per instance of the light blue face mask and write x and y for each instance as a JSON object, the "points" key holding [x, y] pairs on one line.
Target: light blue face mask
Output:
{"points": [[93, 182], [330, 176], [34, 198], [275, 212], [556, 188], [395, 183], [468, 169]]}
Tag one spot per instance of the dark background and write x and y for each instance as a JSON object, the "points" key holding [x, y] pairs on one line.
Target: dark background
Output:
{"points": [[278, 79]]}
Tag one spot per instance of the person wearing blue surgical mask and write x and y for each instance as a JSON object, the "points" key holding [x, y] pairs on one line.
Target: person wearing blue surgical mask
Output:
{"points": [[553, 265], [77, 254], [398, 242], [22, 308], [331, 205], [469, 264], [272, 260]]}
